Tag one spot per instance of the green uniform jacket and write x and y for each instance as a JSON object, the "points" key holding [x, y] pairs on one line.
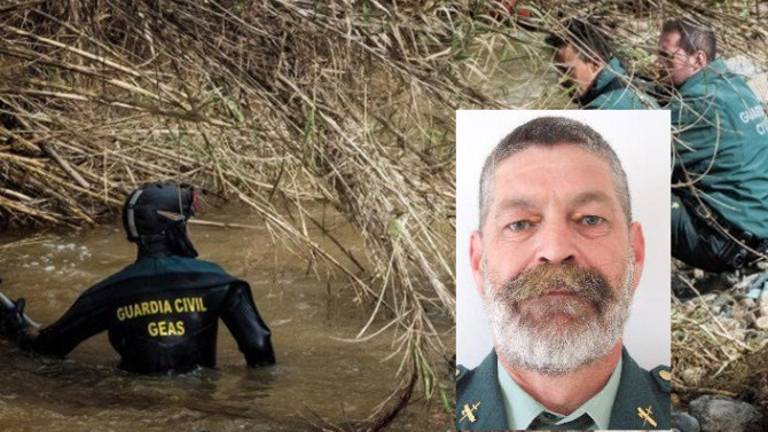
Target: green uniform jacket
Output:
{"points": [[610, 91], [722, 132], [479, 389]]}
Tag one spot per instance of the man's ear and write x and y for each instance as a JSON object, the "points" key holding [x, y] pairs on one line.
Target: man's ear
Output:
{"points": [[595, 65], [637, 243], [476, 260], [700, 60]]}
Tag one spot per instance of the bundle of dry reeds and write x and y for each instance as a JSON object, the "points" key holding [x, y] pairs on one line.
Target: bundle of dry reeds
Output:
{"points": [[273, 103], [712, 354], [634, 26], [278, 102]]}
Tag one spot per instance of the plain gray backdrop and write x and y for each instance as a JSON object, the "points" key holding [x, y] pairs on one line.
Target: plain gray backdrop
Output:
{"points": [[641, 139]]}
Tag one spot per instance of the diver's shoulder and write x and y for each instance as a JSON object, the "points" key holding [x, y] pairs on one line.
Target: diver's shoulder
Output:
{"points": [[178, 263]]}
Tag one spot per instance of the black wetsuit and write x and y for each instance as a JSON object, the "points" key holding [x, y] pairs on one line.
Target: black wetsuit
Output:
{"points": [[162, 315]]}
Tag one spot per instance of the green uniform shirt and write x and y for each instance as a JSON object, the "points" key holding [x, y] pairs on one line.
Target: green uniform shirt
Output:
{"points": [[610, 91], [641, 400], [522, 409], [722, 141]]}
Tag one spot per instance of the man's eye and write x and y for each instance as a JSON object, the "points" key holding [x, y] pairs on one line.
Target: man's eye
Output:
{"points": [[563, 69], [591, 220], [520, 225]]}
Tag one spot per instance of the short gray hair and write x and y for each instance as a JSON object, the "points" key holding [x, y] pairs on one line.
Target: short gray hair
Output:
{"points": [[550, 131], [693, 37]]}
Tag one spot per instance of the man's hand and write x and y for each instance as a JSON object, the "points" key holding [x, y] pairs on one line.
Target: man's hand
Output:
{"points": [[12, 323]]}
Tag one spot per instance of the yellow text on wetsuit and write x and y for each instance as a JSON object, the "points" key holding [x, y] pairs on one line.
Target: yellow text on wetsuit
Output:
{"points": [[180, 305]]}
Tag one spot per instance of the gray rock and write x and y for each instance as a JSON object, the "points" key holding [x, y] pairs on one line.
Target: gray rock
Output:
{"points": [[730, 324], [749, 319], [742, 65], [747, 303], [684, 422], [722, 300], [692, 376], [689, 306], [755, 74], [718, 413], [732, 278], [759, 84], [740, 314], [762, 323], [744, 284]]}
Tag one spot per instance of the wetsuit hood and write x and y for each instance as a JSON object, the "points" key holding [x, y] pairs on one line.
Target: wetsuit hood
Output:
{"points": [[155, 218]]}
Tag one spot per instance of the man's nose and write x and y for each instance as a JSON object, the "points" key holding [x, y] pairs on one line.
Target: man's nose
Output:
{"points": [[556, 243]]}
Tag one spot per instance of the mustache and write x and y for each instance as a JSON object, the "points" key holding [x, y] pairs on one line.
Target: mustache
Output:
{"points": [[542, 279]]}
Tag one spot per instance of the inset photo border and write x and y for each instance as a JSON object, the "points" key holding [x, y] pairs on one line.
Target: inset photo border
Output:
{"points": [[641, 140]]}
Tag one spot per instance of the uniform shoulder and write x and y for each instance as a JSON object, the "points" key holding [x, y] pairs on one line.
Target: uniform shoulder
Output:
{"points": [[623, 98], [479, 379], [130, 271], [462, 373], [662, 377], [714, 89]]}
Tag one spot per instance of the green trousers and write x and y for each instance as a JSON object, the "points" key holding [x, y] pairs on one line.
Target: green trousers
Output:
{"points": [[697, 244]]}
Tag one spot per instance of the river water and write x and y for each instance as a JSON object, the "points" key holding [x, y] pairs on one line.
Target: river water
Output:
{"points": [[315, 372]]}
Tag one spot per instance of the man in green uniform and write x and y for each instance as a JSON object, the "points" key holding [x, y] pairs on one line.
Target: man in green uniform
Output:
{"points": [[556, 260], [589, 66], [720, 193]]}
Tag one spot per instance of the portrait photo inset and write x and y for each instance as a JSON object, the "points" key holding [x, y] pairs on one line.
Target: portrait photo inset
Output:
{"points": [[554, 237]]}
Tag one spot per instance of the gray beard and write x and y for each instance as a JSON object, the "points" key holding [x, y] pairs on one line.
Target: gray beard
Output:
{"points": [[557, 350]]}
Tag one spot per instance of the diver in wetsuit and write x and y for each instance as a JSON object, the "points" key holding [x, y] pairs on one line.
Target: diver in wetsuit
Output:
{"points": [[162, 311]]}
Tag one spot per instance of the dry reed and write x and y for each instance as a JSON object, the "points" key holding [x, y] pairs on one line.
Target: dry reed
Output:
{"points": [[272, 103]]}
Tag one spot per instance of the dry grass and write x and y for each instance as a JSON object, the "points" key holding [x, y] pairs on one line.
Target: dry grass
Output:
{"points": [[274, 104], [715, 355]]}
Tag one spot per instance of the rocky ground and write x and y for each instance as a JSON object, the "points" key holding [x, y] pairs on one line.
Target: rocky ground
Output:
{"points": [[720, 350], [756, 74], [717, 413]]}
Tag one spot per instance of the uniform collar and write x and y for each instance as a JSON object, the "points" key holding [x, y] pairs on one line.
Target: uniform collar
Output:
{"points": [[610, 71], [635, 397], [522, 409], [481, 396], [604, 81]]}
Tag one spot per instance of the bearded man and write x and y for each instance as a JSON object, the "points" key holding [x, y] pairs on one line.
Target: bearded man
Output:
{"points": [[557, 259]]}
